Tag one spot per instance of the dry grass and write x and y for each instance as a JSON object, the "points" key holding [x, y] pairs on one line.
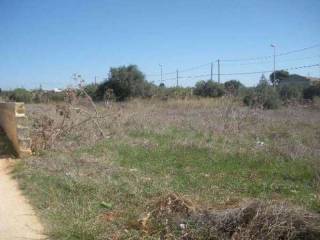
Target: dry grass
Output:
{"points": [[293, 132], [215, 152], [177, 218]]}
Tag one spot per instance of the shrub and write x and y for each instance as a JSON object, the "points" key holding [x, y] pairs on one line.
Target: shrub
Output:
{"points": [[208, 89], [290, 92], [311, 92], [264, 96], [37, 96], [174, 92], [20, 95], [271, 101], [125, 81], [250, 97], [232, 86], [56, 96]]}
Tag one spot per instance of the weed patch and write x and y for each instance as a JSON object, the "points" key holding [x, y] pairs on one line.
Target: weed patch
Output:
{"points": [[213, 152]]}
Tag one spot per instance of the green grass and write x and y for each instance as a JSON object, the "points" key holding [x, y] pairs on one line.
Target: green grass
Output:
{"points": [[71, 190]]}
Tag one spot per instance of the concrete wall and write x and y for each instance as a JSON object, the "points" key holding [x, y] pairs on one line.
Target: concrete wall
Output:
{"points": [[13, 122]]}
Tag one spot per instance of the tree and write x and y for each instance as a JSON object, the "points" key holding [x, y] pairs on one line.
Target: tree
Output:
{"points": [[232, 86], [200, 88], [279, 76], [208, 89], [125, 81]]}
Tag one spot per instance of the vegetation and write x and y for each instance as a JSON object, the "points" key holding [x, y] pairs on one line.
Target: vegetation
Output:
{"points": [[91, 90], [20, 95], [233, 86], [278, 76], [263, 96], [312, 91], [285, 78], [126, 82], [290, 92], [169, 157], [165, 93], [209, 89], [287, 88], [32, 96]]}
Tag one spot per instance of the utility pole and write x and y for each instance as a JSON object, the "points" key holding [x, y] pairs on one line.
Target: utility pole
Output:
{"points": [[177, 78], [274, 64], [211, 71], [95, 80], [218, 70], [319, 67], [161, 73]]}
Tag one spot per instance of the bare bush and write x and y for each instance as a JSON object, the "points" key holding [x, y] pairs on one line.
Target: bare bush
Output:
{"points": [[174, 217], [69, 116]]}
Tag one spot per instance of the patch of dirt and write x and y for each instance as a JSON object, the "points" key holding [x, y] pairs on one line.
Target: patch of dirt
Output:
{"points": [[17, 218]]}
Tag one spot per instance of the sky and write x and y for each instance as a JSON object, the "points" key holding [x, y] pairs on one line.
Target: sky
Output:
{"points": [[44, 42]]}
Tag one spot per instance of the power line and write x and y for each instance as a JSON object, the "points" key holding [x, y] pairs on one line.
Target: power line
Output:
{"points": [[245, 73], [270, 60], [308, 66], [261, 58], [196, 67], [299, 50], [168, 79], [152, 74], [270, 71], [184, 70], [271, 56], [196, 76]]}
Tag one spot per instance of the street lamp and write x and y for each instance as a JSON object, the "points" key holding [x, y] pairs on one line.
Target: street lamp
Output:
{"points": [[274, 63]]}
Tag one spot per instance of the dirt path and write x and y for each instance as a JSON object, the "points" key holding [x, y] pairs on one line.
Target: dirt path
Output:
{"points": [[17, 218]]}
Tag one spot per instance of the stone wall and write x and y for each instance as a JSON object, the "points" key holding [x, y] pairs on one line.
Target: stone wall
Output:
{"points": [[13, 122]]}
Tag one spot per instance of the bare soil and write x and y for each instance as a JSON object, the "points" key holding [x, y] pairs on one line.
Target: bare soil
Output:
{"points": [[17, 218]]}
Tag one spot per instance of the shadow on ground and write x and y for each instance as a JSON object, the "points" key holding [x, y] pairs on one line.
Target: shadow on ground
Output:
{"points": [[6, 148]]}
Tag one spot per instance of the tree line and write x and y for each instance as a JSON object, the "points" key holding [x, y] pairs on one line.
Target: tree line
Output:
{"points": [[127, 82]]}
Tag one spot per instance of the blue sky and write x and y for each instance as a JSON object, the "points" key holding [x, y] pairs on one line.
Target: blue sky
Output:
{"points": [[46, 41]]}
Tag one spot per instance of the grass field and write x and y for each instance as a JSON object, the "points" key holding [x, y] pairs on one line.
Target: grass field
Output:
{"points": [[213, 152]]}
